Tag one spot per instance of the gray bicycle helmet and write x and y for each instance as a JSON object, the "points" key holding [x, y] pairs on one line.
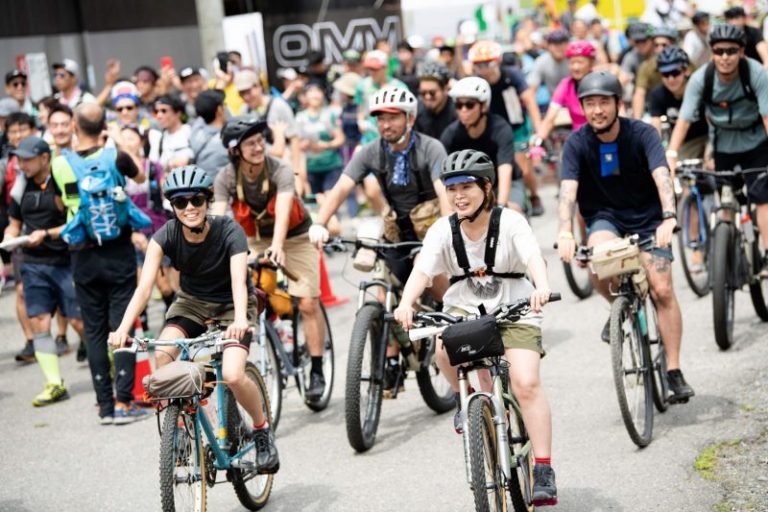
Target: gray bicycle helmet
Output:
{"points": [[639, 31], [669, 33], [468, 164], [727, 34], [600, 83], [557, 36], [671, 58], [435, 70], [187, 180], [239, 128]]}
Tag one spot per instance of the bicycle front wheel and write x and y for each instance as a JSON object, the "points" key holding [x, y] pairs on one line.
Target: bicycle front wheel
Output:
{"points": [[303, 361], [182, 470], [578, 277], [433, 386], [365, 372], [264, 356], [758, 288], [659, 359], [723, 293], [693, 243], [521, 482], [252, 489], [631, 372], [487, 479]]}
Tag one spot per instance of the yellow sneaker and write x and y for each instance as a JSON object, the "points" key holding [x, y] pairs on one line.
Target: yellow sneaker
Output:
{"points": [[52, 393]]}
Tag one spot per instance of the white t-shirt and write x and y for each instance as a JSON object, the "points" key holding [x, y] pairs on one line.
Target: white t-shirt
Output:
{"points": [[516, 246], [171, 146]]}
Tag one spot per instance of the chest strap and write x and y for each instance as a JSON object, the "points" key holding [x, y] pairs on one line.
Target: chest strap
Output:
{"points": [[491, 242]]}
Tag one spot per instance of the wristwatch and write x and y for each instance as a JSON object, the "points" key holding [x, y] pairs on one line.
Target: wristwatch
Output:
{"points": [[668, 215]]}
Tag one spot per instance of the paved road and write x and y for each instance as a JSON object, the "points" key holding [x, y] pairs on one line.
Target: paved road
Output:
{"points": [[59, 458]]}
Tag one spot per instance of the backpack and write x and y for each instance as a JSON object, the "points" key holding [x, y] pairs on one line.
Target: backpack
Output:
{"points": [[105, 209], [707, 99], [491, 243]]}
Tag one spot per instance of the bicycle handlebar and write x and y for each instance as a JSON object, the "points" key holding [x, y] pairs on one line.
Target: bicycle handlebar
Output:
{"points": [[146, 344], [339, 244]]}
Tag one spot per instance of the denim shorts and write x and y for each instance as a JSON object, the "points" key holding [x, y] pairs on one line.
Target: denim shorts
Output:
{"points": [[606, 225], [322, 182], [47, 287]]}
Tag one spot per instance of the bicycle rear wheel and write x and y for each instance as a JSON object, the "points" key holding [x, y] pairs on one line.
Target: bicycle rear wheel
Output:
{"points": [[631, 372], [758, 288], [693, 243], [264, 357], [434, 388], [487, 478], [659, 359], [303, 361], [252, 489], [365, 371], [182, 470], [723, 293]]}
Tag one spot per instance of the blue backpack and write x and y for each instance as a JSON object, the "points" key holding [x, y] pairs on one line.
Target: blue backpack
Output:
{"points": [[105, 209]]}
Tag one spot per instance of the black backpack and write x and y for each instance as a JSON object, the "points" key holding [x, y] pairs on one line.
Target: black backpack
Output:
{"points": [[707, 99], [491, 242]]}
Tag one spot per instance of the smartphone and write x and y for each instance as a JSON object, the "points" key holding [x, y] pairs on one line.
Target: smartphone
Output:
{"points": [[223, 59], [166, 62]]}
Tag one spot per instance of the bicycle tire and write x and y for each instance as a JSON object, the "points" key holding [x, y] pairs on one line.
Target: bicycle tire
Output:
{"points": [[659, 359], [639, 422], [302, 361], [362, 423], [723, 299], [758, 288], [428, 377], [237, 422], [270, 368], [520, 484], [483, 457], [699, 285], [575, 274], [179, 449]]}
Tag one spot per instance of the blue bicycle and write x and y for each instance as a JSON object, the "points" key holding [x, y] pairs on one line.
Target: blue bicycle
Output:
{"points": [[204, 432]]}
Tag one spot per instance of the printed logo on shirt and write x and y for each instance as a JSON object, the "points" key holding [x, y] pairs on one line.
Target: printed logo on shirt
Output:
{"points": [[609, 160]]}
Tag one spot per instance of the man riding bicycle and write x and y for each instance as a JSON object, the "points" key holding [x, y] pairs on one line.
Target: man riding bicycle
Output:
{"points": [[615, 168], [732, 92], [210, 253]]}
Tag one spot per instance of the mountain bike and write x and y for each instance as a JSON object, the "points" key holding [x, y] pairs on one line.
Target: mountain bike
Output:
{"points": [[277, 360], [203, 432], [371, 334], [693, 217], [737, 253], [498, 454]]}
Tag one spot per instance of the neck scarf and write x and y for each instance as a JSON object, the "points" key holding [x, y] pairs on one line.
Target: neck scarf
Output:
{"points": [[402, 166]]}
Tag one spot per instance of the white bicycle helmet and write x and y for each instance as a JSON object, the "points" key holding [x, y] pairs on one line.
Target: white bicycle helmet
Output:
{"points": [[393, 100], [472, 87]]}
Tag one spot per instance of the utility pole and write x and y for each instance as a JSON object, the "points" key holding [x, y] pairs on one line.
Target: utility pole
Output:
{"points": [[210, 15]]}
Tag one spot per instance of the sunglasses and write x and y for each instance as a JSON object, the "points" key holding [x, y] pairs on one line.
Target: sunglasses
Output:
{"points": [[17, 85], [60, 75], [672, 74], [469, 105], [725, 51], [428, 94], [180, 203], [162, 110], [129, 108]]}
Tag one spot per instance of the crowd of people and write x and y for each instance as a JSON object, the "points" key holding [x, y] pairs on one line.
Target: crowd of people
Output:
{"points": [[213, 165]]}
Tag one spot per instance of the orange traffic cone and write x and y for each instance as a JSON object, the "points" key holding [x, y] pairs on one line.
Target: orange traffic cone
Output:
{"points": [[326, 294], [141, 370]]}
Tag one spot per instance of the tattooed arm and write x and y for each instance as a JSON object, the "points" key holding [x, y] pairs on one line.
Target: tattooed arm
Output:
{"points": [[566, 211], [667, 198]]}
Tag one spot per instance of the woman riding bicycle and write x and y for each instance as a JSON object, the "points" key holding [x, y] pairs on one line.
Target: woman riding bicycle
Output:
{"points": [[261, 191], [210, 254], [469, 177]]}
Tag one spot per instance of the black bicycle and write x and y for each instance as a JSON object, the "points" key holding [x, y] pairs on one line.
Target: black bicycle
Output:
{"points": [[371, 334], [737, 253]]}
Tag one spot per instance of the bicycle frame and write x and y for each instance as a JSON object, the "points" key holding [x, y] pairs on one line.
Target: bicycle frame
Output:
{"points": [[694, 191]]}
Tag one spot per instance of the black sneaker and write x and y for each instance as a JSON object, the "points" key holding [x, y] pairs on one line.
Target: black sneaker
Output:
{"points": [[606, 334], [544, 488], [267, 459], [681, 391], [458, 423], [82, 354], [62, 346], [27, 354], [394, 379], [537, 208], [316, 386]]}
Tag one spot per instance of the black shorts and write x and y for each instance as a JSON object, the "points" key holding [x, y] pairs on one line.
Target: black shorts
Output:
{"points": [[758, 157]]}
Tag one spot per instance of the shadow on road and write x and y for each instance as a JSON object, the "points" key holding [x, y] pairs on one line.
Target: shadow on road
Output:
{"points": [[701, 409], [570, 499], [299, 496]]}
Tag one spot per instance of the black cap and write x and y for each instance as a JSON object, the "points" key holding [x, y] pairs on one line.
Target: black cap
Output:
{"points": [[188, 72], [735, 12], [315, 57], [14, 73], [31, 147], [207, 102], [699, 16]]}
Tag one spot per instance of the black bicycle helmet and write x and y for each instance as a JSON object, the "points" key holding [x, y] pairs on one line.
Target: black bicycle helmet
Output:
{"points": [[558, 36], [727, 34], [668, 32], [671, 58], [186, 180], [435, 70], [600, 83], [468, 162], [239, 128]]}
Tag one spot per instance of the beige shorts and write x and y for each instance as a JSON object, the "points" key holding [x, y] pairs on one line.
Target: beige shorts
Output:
{"points": [[301, 258], [200, 311]]}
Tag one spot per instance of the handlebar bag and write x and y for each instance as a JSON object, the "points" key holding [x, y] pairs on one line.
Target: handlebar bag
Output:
{"points": [[179, 379], [472, 340]]}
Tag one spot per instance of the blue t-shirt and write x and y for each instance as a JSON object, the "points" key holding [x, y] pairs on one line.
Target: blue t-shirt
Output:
{"points": [[615, 181]]}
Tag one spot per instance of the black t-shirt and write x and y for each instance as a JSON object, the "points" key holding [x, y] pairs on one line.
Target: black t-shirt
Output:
{"points": [[204, 266], [661, 102], [754, 36], [615, 181], [40, 210], [496, 142], [510, 78], [434, 124]]}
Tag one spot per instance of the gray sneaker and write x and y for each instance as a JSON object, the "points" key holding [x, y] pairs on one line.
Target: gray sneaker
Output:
{"points": [[544, 487], [27, 354], [62, 346]]}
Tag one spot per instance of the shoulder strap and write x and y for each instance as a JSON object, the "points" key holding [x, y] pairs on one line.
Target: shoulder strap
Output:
{"points": [[492, 239], [745, 76], [75, 161], [709, 85], [458, 244]]}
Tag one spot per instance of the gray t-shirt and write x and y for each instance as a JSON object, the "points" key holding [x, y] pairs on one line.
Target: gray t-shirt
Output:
{"points": [[204, 266], [548, 71], [739, 127], [210, 154], [631, 62], [426, 158]]}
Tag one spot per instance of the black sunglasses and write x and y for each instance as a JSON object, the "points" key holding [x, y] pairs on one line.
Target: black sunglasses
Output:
{"points": [[430, 94], [672, 74], [725, 51], [469, 105], [16, 85], [180, 203], [126, 107]]}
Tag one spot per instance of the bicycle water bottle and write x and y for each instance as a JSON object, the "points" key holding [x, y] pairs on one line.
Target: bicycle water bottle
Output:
{"points": [[211, 409], [747, 227], [284, 328], [643, 321]]}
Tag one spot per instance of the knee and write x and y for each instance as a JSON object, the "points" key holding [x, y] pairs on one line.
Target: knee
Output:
{"points": [[233, 377], [308, 306], [663, 293], [525, 388]]}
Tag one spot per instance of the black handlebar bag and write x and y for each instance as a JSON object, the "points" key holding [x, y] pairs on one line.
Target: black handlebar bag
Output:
{"points": [[472, 340]]}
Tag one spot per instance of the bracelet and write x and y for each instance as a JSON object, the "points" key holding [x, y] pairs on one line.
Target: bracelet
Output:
{"points": [[565, 234], [668, 215], [47, 235], [671, 153]]}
